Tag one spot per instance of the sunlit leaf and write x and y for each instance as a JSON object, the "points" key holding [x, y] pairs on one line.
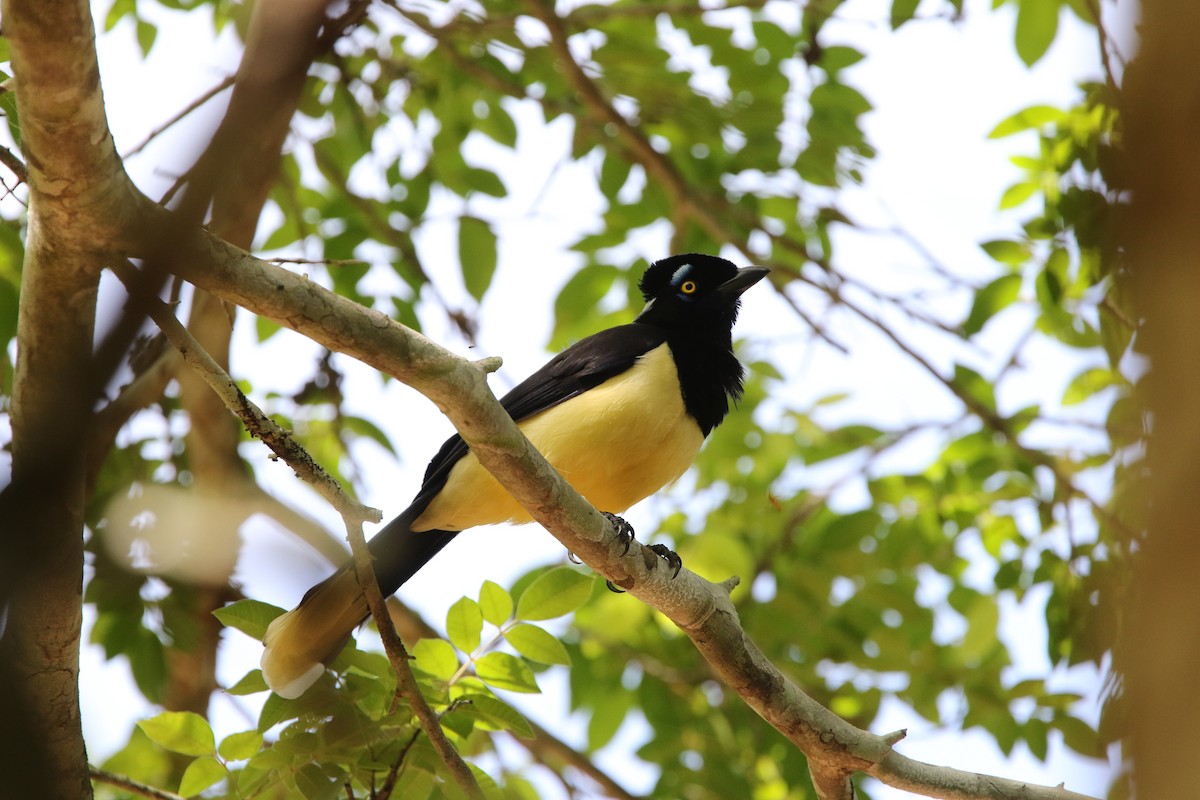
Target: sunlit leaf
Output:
{"points": [[1037, 23], [238, 746], [251, 617], [1088, 383], [435, 657], [201, 774], [180, 732], [1007, 251], [1026, 118], [495, 602], [505, 671], [554, 593], [464, 622], [537, 644], [991, 299], [498, 714]]}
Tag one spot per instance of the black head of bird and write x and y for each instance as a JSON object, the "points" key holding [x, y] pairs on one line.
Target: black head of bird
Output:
{"points": [[697, 291]]}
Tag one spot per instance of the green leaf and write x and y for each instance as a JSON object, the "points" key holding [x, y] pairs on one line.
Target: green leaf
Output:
{"points": [[146, 34], [251, 617], [435, 657], [364, 427], [1037, 23], [276, 709], [498, 714], [975, 385], [903, 11], [607, 718], [839, 57], [314, 784], [555, 593], [991, 299], [251, 683], [1017, 194], [148, 662], [980, 639], [485, 181], [464, 623], [180, 732], [1007, 251], [1079, 736], [118, 10], [239, 746], [505, 671], [201, 774], [1087, 383], [476, 254], [537, 645], [495, 602], [614, 172], [1026, 118]]}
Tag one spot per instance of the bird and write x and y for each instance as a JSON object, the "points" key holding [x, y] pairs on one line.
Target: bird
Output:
{"points": [[620, 414]]}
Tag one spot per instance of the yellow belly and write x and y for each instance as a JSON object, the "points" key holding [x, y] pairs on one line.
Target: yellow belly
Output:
{"points": [[617, 443]]}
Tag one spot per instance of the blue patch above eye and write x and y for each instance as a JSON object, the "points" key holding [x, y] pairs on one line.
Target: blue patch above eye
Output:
{"points": [[678, 275]]}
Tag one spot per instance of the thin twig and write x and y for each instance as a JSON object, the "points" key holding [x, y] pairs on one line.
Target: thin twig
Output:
{"points": [[15, 165], [332, 262], [192, 106], [130, 785]]}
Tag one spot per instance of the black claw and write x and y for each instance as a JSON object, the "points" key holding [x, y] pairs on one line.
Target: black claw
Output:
{"points": [[574, 559], [622, 528], [612, 587], [670, 556]]}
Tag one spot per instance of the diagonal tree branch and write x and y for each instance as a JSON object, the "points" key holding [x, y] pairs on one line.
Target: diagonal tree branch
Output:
{"points": [[701, 609]]}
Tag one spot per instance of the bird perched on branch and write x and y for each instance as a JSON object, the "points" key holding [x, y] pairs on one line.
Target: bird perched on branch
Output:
{"points": [[619, 414]]}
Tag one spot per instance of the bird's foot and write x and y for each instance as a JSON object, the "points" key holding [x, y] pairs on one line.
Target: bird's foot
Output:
{"points": [[622, 528], [624, 532], [670, 556]]}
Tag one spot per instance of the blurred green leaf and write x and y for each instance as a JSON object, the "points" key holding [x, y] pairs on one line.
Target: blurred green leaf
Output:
{"points": [[990, 300], [183, 732], [1007, 252], [1088, 383], [1037, 23], [201, 774], [476, 254], [1027, 118], [239, 746], [903, 11], [251, 617]]}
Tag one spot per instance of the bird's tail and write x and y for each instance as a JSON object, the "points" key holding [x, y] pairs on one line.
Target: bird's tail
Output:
{"points": [[301, 642]]}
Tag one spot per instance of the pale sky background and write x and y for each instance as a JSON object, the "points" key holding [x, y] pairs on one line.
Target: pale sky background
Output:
{"points": [[937, 89]]}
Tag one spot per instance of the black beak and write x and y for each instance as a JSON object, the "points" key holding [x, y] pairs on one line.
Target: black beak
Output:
{"points": [[745, 278]]}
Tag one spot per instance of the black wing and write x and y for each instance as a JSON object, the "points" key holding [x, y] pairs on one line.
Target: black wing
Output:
{"points": [[587, 363]]}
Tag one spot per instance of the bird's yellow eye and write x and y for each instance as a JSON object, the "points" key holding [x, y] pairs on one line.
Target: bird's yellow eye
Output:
{"points": [[688, 287]]}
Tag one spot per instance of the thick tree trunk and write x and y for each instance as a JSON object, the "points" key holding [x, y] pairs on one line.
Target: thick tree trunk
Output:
{"points": [[77, 190], [1161, 643]]}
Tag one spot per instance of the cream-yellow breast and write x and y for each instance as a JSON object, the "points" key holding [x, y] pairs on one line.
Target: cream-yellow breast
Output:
{"points": [[616, 443]]}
